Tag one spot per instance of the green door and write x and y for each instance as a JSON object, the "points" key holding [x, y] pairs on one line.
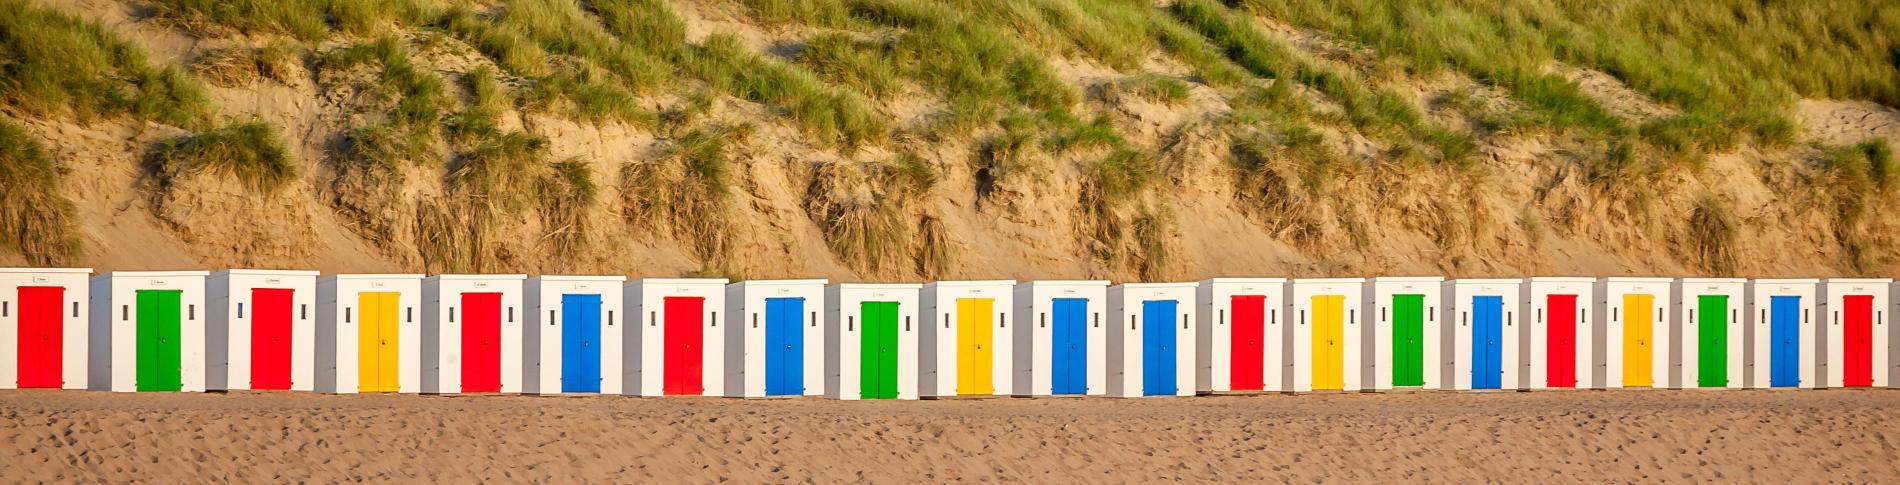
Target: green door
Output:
{"points": [[1712, 347], [1408, 340], [878, 356], [160, 358]]}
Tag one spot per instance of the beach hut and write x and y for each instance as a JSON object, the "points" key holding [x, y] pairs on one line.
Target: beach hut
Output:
{"points": [[965, 344], [1060, 340], [1151, 349], [1636, 332], [1563, 338], [1856, 310], [471, 333], [573, 340], [680, 349], [774, 344], [1407, 341], [871, 336], [1709, 314], [369, 337], [1485, 336], [1327, 340], [43, 327], [261, 329], [148, 331], [1782, 317], [1238, 345]]}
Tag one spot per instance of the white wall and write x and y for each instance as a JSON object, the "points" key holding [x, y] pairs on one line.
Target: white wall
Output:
{"points": [[1609, 307], [115, 321], [844, 333], [646, 299], [542, 330], [1458, 296], [1834, 291], [1760, 293], [1688, 292], [1378, 308], [74, 328], [1214, 357], [442, 329], [339, 327], [938, 359], [745, 334], [1034, 304], [1125, 341], [1536, 314], [1300, 308]]}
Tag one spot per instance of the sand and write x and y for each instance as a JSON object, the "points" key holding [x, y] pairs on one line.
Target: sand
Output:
{"points": [[1737, 436]]}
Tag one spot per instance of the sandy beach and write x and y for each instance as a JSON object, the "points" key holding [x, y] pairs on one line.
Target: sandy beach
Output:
{"points": [[1739, 436]]}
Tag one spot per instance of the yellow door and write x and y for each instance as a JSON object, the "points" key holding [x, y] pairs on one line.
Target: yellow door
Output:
{"points": [[974, 346], [377, 342], [1638, 318], [1329, 332]]}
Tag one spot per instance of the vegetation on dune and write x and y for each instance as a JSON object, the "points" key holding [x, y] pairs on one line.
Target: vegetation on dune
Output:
{"points": [[687, 192], [239, 66], [1858, 179], [52, 63], [249, 151], [308, 20], [839, 118], [870, 214], [35, 219]]}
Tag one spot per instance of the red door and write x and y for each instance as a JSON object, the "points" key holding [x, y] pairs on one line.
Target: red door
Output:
{"points": [[270, 338], [683, 360], [1561, 355], [41, 337], [1248, 341], [481, 342], [1859, 351]]}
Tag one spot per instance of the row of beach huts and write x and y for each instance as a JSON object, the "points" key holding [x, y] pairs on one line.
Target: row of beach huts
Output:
{"points": [[447, 334]]}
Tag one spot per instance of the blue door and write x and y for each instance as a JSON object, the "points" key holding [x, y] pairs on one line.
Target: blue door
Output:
{"points": [[1487, 347], [784, 347], [580, 343], [1070, 339], [1157, 351], [1784, 345]]}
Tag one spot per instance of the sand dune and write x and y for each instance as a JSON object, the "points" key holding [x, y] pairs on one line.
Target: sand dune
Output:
{"points": [[1746, 436]]}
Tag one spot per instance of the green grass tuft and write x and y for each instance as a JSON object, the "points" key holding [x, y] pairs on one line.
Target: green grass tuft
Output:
{"points": [[839, 118], [52, 63], [35, 219], [250, 151], [686, 193]]}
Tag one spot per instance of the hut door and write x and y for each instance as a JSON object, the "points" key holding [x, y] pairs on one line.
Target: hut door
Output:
{"points": [[270, 338], [878, 359], [1711, 340], [1248, 341], [975, 346], [378, 342], [580, 343], [1560, 357], [160, 363], [1859, 346], [481, 342], [1784, 330], [1639, 313], [1408, 340], [40, 337], [784, 347], [1069, 336], [1157, 353], [1329, 340], [1487, 349], [684, 335]]}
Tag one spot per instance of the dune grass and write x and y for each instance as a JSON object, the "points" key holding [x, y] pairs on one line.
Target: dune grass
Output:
{"points": [[839, 118], [52, 63], [308, 20], [250, 151], [842, 60], [1858, 179], [35, 219], [864, 210], [686, 193]]}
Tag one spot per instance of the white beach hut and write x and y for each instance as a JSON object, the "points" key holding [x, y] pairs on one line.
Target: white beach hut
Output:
{"points": [[369, 336], [965, 343], [1485, 335], [1328, 342], [1781, 318], [471, 333], [148, 331], [1239, 345], [1709, 314], [1635, 330], [1407, 339], [1857, 331], [1563, 337], [1061, 341], [262, 330], [680, 349], [572, 343], [44, 328], [1151, 348], [774, 343], [871, 336]]}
